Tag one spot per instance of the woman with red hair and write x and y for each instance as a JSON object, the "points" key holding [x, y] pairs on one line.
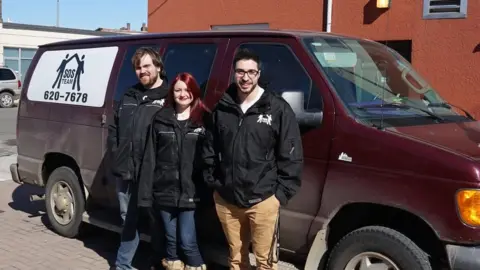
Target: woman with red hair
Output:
{"points": [[171, 176]]}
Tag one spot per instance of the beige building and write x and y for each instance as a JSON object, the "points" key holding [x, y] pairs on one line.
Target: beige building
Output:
{"points": [[19, 42]]}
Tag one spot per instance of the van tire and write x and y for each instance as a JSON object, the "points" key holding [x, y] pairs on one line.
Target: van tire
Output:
{"points": [[66, 178], [4, 96], [383, 241]]}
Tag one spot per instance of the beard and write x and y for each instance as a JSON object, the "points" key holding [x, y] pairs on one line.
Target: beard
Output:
{"points": [[246, 89], [147, 80]]}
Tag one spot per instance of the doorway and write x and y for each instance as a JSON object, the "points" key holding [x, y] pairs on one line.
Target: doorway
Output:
{"points": [[403, 47]]}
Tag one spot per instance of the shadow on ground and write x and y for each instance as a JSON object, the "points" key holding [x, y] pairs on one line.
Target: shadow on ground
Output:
{"points": [[102, 242], [11, 142]]}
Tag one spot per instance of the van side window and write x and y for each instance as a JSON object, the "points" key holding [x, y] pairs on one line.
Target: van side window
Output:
{"points": [[126, 75], [194, 58], [282, 71]]}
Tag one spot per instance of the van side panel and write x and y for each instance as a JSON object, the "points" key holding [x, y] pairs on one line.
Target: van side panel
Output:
{"points": [[397, 171], [61, 111]]}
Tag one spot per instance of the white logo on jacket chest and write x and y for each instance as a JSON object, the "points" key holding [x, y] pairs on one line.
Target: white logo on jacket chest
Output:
{"points": [[199, 130], [160, 102], [265, 119]]}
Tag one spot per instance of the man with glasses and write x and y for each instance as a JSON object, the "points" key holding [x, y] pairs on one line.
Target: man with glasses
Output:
{"points": [[253, 158]]}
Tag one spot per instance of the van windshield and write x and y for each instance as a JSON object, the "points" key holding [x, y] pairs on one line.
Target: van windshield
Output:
{"points": [[375, 82]]}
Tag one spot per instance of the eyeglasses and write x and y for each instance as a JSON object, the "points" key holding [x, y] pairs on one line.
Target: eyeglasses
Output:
{"points": [[250, 73]]}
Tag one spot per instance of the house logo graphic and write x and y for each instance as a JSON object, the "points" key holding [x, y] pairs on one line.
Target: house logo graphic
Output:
{"points": [[266, 119], [70, 75]]}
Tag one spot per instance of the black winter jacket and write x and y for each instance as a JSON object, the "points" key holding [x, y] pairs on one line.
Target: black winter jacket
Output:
{"points": [[128, 130], [171, 175], [249, 157]]}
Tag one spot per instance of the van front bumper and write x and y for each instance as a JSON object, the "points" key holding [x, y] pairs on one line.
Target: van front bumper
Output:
{"points": [[14, 173], [463, 258]]}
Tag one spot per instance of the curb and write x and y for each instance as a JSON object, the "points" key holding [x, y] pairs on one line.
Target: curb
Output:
{"points": [[5, 167]]}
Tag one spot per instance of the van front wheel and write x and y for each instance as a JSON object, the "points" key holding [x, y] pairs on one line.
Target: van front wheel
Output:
{"points": [[376, 247], [64, 202]]}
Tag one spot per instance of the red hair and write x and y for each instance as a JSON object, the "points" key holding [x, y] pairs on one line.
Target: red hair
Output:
{"points": [[198, 107]]}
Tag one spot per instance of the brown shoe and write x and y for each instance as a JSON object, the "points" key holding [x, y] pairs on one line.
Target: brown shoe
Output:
{"points": [[173, 265], [202, 267]]}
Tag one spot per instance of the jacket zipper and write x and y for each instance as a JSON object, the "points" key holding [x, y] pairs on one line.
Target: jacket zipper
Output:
{"points": [[233, 151], [179, 162], [180, 140], [132, 153], [242, 117]]}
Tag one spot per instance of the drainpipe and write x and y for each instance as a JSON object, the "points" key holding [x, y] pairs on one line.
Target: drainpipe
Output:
{"points": [[58, 13], [329, 15]]}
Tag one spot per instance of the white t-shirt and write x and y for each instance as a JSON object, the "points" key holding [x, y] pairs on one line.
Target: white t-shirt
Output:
{"points": [[246, 105]]}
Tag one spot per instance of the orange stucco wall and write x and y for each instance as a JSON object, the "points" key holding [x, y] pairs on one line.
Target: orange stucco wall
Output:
{"points": [[442, 50], [185, 15]]}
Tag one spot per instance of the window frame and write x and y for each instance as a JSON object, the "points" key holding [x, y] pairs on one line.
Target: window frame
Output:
{"points": [[313, 86], [462, 14]]}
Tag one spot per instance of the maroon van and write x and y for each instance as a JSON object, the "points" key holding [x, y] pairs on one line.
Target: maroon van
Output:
{"points": [[391, 174]]}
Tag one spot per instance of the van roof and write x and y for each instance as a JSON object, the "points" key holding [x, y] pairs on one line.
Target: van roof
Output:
{"points": [[193, 34]]}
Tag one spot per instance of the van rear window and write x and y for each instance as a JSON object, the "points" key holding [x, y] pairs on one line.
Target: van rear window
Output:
{"points": [[6, 74], [75, 77]]}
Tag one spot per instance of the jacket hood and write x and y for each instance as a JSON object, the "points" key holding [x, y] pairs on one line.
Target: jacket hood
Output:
{"points": [[158, 93]]}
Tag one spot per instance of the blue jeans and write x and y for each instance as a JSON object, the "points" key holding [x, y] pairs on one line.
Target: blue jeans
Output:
{"points": [[184, 220], [127, 197]]}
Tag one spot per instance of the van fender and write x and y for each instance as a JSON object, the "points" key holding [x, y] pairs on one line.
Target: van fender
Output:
{"points": [[317, 251]]}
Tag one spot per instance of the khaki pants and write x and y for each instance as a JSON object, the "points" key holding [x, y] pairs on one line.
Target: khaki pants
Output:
{"points": [[257, 224]]}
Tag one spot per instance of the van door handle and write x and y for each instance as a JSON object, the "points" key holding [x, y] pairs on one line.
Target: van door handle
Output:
{"points": [[104, 119]]}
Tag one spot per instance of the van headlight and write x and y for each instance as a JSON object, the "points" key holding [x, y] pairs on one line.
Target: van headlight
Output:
{"points": [[468, 205]]}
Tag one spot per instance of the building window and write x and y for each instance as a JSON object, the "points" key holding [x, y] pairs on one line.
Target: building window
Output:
{"points": [[403, 47], [444, 9], [250, 26], [18, 59]]}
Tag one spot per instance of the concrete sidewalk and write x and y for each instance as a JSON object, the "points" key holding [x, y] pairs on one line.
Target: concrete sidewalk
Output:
{"points": [[27, 242], [5, 162]]}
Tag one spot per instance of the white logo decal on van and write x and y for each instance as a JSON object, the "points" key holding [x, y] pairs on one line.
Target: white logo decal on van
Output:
{"points": [[76, 77], [344, 157], [266, 119], [72, 75]]}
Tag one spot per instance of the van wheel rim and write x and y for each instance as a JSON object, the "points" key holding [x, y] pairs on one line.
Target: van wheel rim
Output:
{"points": [[62, 203], [371, 261], [7, 100]]}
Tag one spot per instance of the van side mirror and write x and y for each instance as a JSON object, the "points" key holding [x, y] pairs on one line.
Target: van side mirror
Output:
{"points": [[296, 101]]}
